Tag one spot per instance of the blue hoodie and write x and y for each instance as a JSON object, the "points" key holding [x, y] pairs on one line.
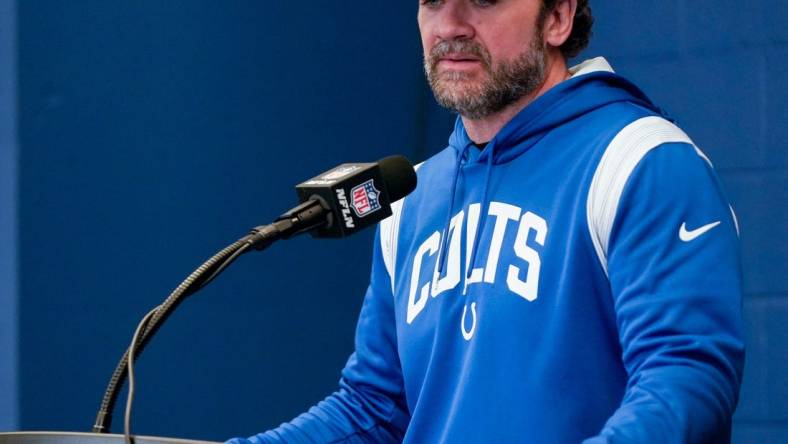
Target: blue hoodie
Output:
{"points": [[577, 280]]}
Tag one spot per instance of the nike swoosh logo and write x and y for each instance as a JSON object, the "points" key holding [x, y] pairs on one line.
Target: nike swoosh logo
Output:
{"points": [[689, 235]]}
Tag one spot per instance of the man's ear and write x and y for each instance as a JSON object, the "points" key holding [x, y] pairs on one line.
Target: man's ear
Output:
{"points": [[558, 22]]}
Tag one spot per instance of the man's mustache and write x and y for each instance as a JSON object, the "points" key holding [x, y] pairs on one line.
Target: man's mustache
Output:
{"points": [[458, 46]]}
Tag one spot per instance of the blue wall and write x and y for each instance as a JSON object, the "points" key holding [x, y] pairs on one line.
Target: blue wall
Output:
{"points": [[8, 165], [153, 133]]}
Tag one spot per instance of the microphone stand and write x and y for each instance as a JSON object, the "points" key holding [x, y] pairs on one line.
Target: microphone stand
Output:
{"points": [[307, 216]]}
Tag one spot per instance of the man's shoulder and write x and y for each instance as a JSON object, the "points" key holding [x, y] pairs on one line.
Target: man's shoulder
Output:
{"points": [[615, 124], [614, 117]]}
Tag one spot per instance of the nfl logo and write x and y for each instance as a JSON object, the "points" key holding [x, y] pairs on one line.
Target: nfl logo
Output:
{"points": [[366, 198]]}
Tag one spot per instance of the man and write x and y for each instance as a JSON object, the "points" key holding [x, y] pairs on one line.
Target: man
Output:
{"points": [[566, 270]]}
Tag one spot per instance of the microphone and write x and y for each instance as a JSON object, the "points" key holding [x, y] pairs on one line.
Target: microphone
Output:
{"points": [[342, 201]]}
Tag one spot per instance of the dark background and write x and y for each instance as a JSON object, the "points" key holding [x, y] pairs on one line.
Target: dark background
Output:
{"points": [[139, 137]]}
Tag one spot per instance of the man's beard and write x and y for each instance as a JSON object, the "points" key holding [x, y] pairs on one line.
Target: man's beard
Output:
{"points": [[504, 84]]}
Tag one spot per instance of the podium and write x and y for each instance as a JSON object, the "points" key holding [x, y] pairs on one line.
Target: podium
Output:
{"points": [[86, 438]]}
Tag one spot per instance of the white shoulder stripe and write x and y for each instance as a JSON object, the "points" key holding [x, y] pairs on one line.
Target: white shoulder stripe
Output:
{"points": [[389, 232], [389, 235], [621, 157], [735, 220]]}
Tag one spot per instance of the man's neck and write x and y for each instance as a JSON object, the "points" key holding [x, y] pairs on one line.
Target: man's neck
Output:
{"points": [[484, 129]]}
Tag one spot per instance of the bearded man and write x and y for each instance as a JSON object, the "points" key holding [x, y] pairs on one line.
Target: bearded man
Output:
{"points": [[566, 270]]}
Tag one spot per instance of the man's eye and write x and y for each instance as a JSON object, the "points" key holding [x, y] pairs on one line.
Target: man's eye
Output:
{"points": [[429, 3], [485, 2]]}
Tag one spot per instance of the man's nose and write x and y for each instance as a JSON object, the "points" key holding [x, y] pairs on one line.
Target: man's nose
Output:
{"points": [[453, 21]]}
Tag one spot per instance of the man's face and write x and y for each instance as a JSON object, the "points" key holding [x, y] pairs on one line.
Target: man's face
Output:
{"points": [[482, 55]]}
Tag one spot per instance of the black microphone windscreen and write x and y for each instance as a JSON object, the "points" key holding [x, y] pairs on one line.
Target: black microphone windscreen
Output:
{"points": [[357, 195], [399, 176]]}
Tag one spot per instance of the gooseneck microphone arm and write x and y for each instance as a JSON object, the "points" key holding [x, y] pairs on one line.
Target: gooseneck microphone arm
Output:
{"points": [[307, 216], [187, 287]]}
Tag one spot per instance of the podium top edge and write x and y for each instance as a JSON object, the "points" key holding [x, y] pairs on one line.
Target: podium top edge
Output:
{"points": [[53, 437]]}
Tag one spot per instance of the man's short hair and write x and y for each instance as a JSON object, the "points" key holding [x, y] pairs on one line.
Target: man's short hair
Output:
{"points": [[581, 28]]}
